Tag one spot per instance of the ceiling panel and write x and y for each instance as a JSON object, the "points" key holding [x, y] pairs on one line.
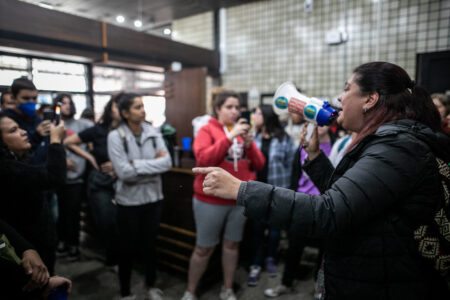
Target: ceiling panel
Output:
{"points": [[155, 13]]}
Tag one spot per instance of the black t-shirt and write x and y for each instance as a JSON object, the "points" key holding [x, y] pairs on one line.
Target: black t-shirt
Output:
{"points": [[97, 135], [265, 148]]}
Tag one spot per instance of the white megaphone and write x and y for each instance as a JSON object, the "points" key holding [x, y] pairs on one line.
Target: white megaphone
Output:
{"points": [[288, 99]]}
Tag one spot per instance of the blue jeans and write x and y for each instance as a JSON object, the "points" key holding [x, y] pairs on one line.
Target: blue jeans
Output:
{"points": [[259, 241]]}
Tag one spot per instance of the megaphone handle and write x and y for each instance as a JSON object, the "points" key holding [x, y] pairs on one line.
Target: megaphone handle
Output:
{"points": [[309, 131]]}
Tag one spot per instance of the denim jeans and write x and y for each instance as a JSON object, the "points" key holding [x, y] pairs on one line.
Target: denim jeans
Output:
{"points": [[259, 241]]}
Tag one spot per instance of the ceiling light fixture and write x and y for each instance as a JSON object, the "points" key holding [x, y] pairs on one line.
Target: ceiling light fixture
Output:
{"points": [[167, 31], [45, 5], [138, 21], [120, 19]]}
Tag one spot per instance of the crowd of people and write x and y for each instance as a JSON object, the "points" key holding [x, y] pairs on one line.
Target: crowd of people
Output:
{"points": [[357, 189]]}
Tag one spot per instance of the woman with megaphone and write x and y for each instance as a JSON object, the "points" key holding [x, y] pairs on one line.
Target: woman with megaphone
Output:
{"points": [[223, 142], [386, 187]]}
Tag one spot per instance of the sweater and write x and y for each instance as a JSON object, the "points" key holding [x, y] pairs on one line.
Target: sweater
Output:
{"points": [[212, 149]]}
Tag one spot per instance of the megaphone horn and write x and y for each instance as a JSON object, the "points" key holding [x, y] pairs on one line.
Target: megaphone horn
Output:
{"points": [[288, 99]]}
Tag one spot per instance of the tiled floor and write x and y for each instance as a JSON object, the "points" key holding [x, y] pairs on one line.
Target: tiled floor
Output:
{"points": [[93, 281]]}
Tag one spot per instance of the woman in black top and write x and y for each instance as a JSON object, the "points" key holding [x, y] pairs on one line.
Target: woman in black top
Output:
{"points": [[101, 178], [22, 204], [386, 186]]}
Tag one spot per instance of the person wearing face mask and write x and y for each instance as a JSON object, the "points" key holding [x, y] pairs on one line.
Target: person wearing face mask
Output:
{"points": [[223, 142], [24, 93], [23, 204], [387, 186]]}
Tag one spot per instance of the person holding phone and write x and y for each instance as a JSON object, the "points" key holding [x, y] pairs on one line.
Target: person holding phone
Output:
{"points": [[223, 142], [23, 204]]}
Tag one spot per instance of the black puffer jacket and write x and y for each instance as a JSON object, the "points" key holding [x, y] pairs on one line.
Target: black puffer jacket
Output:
{"points": [[380, 192]]}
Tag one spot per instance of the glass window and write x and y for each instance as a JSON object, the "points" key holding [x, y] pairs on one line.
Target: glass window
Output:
{"points": [[99, 105], [15, 62], [7, 76], [59, 76], [80, 101], [155, 108]]}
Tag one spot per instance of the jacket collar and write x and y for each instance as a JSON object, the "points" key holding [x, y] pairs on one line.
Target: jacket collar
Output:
{"points": [[148, 131]]}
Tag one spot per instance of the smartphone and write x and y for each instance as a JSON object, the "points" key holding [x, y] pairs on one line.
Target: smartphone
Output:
{"points": [[48, 114], [57, 113], [246, 115]]}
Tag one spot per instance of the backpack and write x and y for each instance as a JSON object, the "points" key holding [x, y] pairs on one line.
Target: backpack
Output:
{"points": [[434, 239]]}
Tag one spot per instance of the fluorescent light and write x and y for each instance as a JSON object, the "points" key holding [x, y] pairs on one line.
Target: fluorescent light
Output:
{"points": [[167, 31], [138, 23], [45, 5], [120, 19]]}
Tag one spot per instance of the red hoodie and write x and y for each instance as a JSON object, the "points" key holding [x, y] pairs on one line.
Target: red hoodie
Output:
{"points": [[211, 149]]}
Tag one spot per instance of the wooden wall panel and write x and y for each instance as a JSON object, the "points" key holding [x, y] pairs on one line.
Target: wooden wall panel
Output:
{"points": [[185, 99]]}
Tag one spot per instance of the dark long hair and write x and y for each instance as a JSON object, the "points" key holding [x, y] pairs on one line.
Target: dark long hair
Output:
{"points": [[106, 120], [5, 153], [399, 98], [59, 98], [219, 99], [272, 123], [124, 102]]}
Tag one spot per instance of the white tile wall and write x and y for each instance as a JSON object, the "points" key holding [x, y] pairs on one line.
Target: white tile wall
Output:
{"points": [[269, 42]]}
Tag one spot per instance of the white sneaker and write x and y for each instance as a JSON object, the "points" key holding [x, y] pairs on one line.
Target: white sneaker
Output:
{"points": [[155, 294], [227, 294], [188, 296], [131, 297], [276, 291]]}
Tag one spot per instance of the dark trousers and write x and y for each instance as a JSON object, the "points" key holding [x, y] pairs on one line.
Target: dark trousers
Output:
{"points": [[69, 205], [293, 257], [104, 214], [138, 229], [260, 241]]}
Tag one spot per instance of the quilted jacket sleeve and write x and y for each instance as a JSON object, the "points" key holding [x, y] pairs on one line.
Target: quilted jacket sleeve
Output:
{"points": [[380, 178]]}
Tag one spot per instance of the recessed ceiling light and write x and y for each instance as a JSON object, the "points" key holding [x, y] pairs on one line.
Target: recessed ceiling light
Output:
{"points": [[138, 23], [167, 31], [45, 5], [120, 19]]}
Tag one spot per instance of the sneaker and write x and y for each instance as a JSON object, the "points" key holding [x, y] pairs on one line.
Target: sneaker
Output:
{"points": [[130, 297], [253, 276], [227, 294], [188, 296], [271, 267], [155, 294], [277, 291]]}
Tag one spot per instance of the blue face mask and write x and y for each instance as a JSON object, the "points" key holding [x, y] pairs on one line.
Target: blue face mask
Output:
{"points": [[28, 109]]}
